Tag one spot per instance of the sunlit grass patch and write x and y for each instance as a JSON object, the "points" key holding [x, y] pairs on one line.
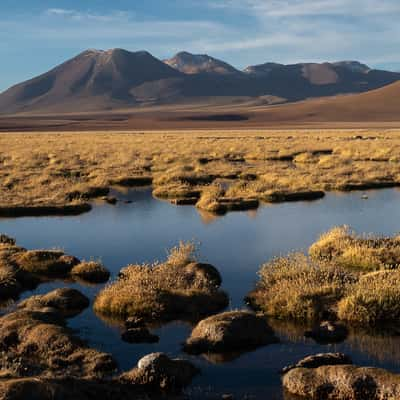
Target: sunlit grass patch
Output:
{"points": [[295, 287], [179, 288]]}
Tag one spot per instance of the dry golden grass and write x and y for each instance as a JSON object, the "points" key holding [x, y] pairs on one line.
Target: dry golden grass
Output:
{"points": [[179, 288], [366, 252], [90, 271], [335, 282], [58, 169], [295, 288], [373, 300]]}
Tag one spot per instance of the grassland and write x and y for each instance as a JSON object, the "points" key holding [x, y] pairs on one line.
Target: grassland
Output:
{"points": [[47, 173]]}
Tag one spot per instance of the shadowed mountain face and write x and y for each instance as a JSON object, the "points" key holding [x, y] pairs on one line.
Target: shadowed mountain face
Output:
{"points": [[99, 80]]}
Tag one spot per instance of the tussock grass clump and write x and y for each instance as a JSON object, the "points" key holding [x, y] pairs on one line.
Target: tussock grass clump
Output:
{"points": [[91, 271], [335, 282], [297, 288], [360, 252], [179, 288], [373, 300]]}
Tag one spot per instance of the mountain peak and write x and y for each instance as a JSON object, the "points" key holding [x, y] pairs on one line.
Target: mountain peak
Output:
{"points": [[191, 64], [354, 66]]}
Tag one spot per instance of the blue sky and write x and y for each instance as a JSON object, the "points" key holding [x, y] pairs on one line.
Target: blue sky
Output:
{"points": [[35, 35]]}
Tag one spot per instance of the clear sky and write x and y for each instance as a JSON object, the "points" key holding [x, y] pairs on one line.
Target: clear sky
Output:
{"points": [[35, 35]]}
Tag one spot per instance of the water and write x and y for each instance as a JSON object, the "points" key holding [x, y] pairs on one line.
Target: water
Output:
{"points": [[237, 244]]}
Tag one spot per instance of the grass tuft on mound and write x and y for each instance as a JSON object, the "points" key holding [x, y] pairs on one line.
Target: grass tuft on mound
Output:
{"points": [[91, 271], [373, 300], [297, 288], [179, 288], [335, 282], [365, 252]]}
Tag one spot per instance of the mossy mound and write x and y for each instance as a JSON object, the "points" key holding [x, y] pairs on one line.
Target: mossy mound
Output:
{"points": [[22, 269], [68, 302], [179, 288], [45, 262], [36, 343]]}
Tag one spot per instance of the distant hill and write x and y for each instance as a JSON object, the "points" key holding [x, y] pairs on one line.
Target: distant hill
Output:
{"points": [[98, 80], [376, 105]]}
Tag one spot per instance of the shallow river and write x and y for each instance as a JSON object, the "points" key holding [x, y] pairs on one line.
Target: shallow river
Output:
{"points": [[237, 244]]}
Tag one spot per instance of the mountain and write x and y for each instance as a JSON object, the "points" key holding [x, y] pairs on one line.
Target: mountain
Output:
{"points": [[97, 80], [199, 64], [94, 79]]}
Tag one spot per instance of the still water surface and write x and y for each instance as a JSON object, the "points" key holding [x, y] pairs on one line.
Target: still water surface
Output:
{"points": [[237, 244]]}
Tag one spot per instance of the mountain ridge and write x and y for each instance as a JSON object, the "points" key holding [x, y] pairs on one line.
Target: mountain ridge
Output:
{"points": [[117, 78]]}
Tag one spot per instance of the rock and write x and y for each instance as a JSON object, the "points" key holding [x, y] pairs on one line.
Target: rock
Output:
{"points": [[229, 331], [139, 335], [345, 382], [91, 271], [319, 360], [158, 372], [328, 332], [68, 302]]}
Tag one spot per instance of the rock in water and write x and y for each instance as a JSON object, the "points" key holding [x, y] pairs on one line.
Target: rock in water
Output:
{"points": [[234, 330], [158, 372]]}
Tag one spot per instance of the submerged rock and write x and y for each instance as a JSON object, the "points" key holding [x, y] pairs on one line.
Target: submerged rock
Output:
{"points": [[158, 372], [229, 331], [328, 332]]}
